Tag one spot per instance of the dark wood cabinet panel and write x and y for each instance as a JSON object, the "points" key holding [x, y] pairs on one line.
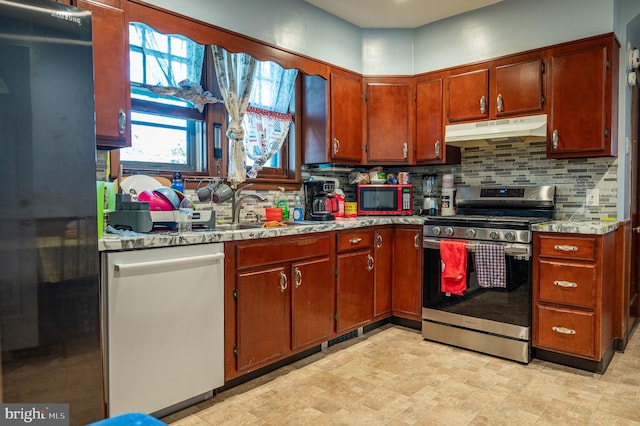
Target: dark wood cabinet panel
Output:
{"points": [[346, 117], [468, 95], [407, 279], [262, 317], [354, 290], [429, 120], [390, 122], [111, 74], [582, 116], [383, 271], [312, 302], [519, 88]]}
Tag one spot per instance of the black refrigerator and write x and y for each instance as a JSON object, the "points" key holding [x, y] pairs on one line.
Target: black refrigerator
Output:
{"points": [[49, 280]]}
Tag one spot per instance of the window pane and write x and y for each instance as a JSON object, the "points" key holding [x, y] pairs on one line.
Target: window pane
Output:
{"points": [[136, 71]]}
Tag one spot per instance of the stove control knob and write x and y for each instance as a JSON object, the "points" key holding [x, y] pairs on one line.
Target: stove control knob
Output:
{"points": [[510, 236], [494, 235], [471, 233], [436, 230], [448, 232]]}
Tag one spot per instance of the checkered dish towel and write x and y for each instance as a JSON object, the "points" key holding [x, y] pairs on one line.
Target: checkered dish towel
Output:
{"points": [[490, 265]]}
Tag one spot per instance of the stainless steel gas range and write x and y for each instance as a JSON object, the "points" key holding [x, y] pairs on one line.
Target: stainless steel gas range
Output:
{"points": [[489, 242]]}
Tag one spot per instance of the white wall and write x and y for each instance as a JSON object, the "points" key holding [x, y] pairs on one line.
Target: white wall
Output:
{"points": [[387, 52]]}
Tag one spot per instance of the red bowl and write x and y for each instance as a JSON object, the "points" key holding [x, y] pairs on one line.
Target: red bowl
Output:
{"points": [[156, 201]]}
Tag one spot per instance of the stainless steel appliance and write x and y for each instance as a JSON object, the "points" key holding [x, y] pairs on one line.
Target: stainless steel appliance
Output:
{"points": [[49, 287], [318, 205], [492, 320]]}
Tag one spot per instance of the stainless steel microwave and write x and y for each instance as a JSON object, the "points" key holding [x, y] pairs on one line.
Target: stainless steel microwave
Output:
{"points": [[385, 199]]}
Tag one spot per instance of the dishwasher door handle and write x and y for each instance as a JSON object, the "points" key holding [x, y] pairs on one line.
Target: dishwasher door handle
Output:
{"points": [[180, 261]]}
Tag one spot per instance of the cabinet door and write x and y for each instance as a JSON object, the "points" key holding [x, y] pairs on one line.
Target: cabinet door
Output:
{"points": [[111, 84], [519, 88], [581, 101], [389, 138], [383, 271], [429, 120], [468, 96], [346, 118], [407, 285], [312, 306], [354, 290], [263, 322]]}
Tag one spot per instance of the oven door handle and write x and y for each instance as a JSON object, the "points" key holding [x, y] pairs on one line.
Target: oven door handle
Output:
{"points": [[509, 249]]}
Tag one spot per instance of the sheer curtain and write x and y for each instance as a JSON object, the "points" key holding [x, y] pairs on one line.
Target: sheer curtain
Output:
{"points": [[267, 122], [173, 65], [235, 72]]}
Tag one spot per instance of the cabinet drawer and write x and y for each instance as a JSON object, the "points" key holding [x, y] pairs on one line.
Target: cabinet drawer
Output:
{"points": [[565, 330], [281, 250], [353, 240], [568, 248], [573, 284]]}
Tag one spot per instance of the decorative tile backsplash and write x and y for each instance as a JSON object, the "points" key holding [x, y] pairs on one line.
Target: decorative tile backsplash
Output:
{"points": [[519, 163]]}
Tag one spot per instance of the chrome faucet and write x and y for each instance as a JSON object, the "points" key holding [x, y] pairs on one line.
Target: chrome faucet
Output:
{"points": [[237, 201]]}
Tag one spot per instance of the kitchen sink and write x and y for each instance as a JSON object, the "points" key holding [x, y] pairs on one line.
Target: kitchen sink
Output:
{"points": [[257, 225]]}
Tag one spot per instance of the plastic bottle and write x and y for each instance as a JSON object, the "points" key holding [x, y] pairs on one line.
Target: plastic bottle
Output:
{"points": [[185, 215], [339, 203], [297, 209], [284, 206], [177, 183]]}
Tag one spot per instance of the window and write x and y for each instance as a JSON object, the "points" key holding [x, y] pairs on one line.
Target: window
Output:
{"points": [[169, 124], [167, 131]]}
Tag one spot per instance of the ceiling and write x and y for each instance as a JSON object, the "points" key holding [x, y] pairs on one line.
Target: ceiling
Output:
{"points": [[397, 13]]}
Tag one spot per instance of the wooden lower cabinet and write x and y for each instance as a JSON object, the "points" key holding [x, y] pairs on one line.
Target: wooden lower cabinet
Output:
{"points": [[382, 272], [279, 299], [407, 279], [574, 283], [354, 292]]}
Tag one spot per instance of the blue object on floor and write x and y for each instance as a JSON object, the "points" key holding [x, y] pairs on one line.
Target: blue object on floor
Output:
{"points": [[130, 419]]}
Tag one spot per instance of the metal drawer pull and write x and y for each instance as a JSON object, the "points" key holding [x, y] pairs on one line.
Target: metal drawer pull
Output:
{"points": [[336, 146], [499, 102], [378, 241], [369, 262], [122, 121], [554, 139], [283, 282], [483, 104], [563, 330], [566, 284], [355, 240], [416, 241], [405, 150], [560, 247]]}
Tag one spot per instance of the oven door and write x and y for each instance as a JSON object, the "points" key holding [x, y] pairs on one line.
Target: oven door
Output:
{"points": [[501, 311]]}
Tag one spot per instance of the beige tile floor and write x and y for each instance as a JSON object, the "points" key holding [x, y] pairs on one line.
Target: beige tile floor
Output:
{"points": [[391, 376]]}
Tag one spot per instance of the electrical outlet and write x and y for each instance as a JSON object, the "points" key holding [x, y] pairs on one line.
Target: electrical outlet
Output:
{"points": [[593, 197]]}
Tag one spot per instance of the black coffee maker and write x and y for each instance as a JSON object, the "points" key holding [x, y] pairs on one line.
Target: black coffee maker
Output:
{"points": [[317, 202]]}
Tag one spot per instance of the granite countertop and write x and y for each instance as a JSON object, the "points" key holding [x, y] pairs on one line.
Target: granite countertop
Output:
{"points": [[594, 227], [115, 242]]}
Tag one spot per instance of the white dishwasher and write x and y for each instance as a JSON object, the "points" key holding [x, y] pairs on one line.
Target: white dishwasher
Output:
{"points": [[164, 326]]}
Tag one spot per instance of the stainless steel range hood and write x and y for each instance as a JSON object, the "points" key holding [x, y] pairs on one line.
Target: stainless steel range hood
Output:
{"points": [[533, 128]]}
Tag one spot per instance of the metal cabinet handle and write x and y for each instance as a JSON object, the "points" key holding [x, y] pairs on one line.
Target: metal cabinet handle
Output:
{"points": [[298, 277], [122, 121], [563, 330], [378, 241], [437, 148], [416, 241], [554, 139], [283, 282], [483, 104], [561, 247], [355, 240], [369, 262], [499, 102], [405, 150], [565, 284], [336, 146]]}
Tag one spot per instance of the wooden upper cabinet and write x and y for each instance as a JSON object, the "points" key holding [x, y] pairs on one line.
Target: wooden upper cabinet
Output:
{"points": [[518, 88], [390, 120], [468, 95], [583, 82], [346, 117], [111, 75]]}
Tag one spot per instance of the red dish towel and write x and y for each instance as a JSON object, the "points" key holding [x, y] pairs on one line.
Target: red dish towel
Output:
{"points": [[490, 265], [453, 255]]}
